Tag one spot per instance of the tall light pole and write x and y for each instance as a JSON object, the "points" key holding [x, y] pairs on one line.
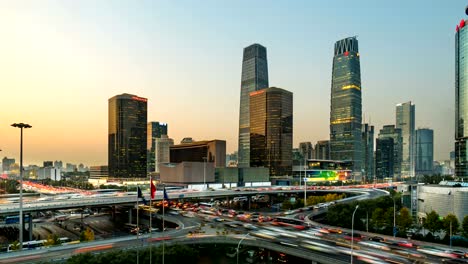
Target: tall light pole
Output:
{"points": [[238, 246], [21, 126], [204, 172], [352, 233], [305, 183], [394, 217]]}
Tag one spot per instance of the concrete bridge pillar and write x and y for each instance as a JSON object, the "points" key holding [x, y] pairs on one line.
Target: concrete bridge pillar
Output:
{"points": [[30, 228]]}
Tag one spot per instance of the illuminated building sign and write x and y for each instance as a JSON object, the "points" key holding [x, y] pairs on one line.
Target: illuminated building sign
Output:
{"points": [[141, 99], [327, 175], [257, 92]]}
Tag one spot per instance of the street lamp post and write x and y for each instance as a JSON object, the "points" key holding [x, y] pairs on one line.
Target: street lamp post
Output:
{"points": [[352, 233], [21, 126], [305, 183], [394, 217], [204, 172], [238, 246]]}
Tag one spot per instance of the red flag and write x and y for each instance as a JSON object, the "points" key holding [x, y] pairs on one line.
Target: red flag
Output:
{"points": [[153, 189]]}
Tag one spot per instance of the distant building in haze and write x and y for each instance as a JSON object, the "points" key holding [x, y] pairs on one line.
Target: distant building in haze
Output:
{"points": [[271, 130], [424, 150], [389, 131], [47, 164], [346, 109], [154, 130], [322, 150], [461, 100], [58, 164], [367, 152], [307, 150], [405, 120], [187, 140], [127, 136], [6, 163], [254, 77]]}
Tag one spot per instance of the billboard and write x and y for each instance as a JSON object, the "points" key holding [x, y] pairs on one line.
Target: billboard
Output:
{"points": [[327, 175]]}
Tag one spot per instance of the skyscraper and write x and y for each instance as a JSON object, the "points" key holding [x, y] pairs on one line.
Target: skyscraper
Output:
{"points": [[162, 147], [367, 151], [154, 130], [346, 110], [405, 121], [389, 131], [424, 151], [461, 100], [307, 150], [254, 77], [127, 136], [271, 130], [384, 158], [322, 150]]}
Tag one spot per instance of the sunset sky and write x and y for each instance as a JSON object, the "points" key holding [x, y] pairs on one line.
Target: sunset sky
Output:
{"points": [[62, 60]]}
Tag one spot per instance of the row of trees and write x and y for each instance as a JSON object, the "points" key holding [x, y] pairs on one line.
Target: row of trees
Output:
{"points": [[172, 254]]}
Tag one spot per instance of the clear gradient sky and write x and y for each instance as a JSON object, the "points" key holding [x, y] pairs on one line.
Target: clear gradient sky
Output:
{"points": [[60, 61]]}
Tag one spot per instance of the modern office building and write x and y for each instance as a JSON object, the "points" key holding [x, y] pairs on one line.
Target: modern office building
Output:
{"points": [[461, 100], [307, 150], [322, 150], [405, 113], [127, 136], [384, 159], [254, 77], [58, 164], [367, 152], [99, 172], [209, 151], [424, 150], [346, 109], [162, 147], [48, 164], [389, 131], [271, 130], [154, 130]]}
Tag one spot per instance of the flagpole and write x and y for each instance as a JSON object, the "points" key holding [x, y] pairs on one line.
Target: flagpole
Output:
{"points": [[151, 212], [138, 227]]}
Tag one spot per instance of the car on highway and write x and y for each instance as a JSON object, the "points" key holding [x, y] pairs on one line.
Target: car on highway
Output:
{"points": [[377, 239]]}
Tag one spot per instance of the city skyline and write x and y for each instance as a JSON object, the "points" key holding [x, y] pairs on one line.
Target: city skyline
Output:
{"points": [[62, 61]]}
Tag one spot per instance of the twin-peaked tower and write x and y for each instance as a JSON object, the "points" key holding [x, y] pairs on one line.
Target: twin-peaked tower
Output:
{"points": [[254, 78], [346, 108]]}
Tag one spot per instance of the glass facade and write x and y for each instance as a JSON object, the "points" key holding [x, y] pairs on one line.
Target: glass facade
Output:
{"points": [[405, 121], [345, 114], [271, 130], [322, 150], [155, 130], [389, 131], [424, 144], [127, 136], [367, 152], [254, 77], [461, 100], [384, 158], [307, 150]]}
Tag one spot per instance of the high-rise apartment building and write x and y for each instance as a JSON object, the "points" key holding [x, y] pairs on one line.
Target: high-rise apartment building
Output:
{"points": [[389, 131], [346, 109], [384, 158], [424, 151], [461, 100], [154, 130], [367, 152], [127, 136], [405, 113], [254, 77], [6, 163], [307, 150], [271, 130], [162, 147], [322, 150]]}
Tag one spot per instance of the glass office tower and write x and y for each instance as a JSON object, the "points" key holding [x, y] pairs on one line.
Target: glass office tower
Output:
{"points": [[271, 130], [254, 77], [127, 136], [461, 99], [367, 152], [390, 131], [155, 130], [424, 151], [405, 121], [346, 110]]}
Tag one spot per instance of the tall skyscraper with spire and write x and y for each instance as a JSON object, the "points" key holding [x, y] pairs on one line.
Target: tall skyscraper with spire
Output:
{"points": [[461, 99], [346, 109], [254, 78]]}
